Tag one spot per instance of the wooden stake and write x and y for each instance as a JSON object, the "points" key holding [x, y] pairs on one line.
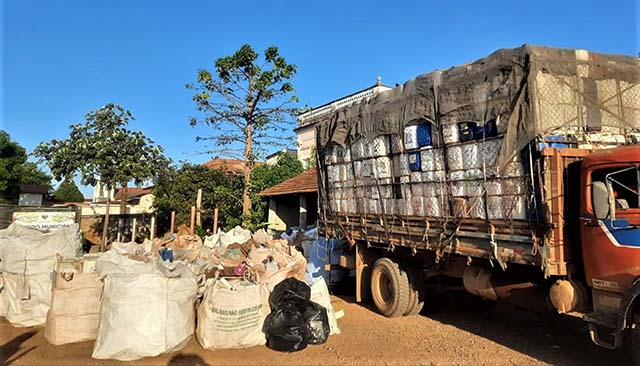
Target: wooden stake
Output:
{"points": [[193, 218], [215, 220], [152, 232], [133, 229], [120, 224], [199, 208], [173, 221]]}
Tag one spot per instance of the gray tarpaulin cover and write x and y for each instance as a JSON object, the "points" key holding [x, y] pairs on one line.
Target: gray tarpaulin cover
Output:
{"points": [[530, 90]]}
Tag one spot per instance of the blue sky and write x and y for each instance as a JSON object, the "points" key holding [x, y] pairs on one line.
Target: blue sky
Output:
{"points": [[61, 59]]}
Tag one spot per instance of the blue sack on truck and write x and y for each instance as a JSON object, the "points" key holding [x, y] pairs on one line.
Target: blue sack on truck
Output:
{"points": [[417, 136], [467, 131], [414, 161]]}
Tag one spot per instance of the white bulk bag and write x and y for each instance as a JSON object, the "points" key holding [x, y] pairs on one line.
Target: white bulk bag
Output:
{"points": [[75, 308], [454, 157], [401, 165], [450, 133], [380, 146], [27, 257], [320, 295], [382, 167], [471, 156], [432, 207], [25, 299], [231, 315], [146, 309]]}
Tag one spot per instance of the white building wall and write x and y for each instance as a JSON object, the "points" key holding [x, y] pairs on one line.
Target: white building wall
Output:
{"points": [[30, 199], [306, 134], [306, 143], [100, 192], [145, 206]]}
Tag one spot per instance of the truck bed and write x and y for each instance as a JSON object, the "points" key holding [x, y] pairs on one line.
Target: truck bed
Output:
{"points": [[515, 242]]}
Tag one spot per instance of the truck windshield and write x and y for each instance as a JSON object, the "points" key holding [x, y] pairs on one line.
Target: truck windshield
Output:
{"points": [[624, 182]]}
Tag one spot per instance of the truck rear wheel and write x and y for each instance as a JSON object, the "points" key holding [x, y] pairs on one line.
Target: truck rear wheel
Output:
{"points": [[416, 290], [389, 288]]}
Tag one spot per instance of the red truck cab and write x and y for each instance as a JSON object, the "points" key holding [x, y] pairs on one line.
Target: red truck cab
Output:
{"points": [[610, 238]]}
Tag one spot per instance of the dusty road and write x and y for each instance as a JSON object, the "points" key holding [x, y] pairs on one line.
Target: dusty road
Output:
{"points": [[448, 334]]}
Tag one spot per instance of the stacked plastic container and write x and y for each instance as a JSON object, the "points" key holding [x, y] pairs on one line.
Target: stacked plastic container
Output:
{"points": [[479, 189], [424, 174], [425, 160], [340, 176]]}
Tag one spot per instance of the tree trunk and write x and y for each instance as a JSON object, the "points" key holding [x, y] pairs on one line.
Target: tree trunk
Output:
{"points": [[246, 199], [123, 208], [248, 165], [105, 224], [123, 199]]}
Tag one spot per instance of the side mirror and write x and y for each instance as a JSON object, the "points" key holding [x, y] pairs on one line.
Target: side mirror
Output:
{"points": [[600, 200]]}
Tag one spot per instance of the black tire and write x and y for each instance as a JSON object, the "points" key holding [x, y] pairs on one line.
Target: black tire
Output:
{"points": [[634, 335], [389, 288], [416, 290]]}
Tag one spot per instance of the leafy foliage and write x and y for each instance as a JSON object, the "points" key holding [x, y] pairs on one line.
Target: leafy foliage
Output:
{"points": [[29, 173], [265, 176], [177, 189], [15, 169], [102, 148], [313, 158], [67, 191], [248, 104]]}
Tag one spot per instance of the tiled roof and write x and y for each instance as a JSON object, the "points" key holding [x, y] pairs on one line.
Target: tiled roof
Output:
{"points": [[301, 183], [132, 192], [34, 188]]}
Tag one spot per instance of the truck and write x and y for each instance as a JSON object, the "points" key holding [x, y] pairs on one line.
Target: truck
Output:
{"points": [[515, 177]]}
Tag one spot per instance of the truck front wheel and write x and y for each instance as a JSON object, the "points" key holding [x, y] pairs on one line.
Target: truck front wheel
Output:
{"points": [[634, 335], [389, 288]]}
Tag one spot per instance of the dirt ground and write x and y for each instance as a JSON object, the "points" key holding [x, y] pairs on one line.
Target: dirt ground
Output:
{"points": [[447, 334]]}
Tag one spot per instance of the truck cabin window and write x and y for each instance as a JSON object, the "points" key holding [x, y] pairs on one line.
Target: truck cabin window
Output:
{"points": [[624, 183]]}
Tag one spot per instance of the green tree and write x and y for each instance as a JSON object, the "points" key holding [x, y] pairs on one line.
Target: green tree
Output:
{"points": [[248, 104], [313, 158], [265, 176], [103, 149], [67, 191], [30, 173], [176, 190], [15, 169]]}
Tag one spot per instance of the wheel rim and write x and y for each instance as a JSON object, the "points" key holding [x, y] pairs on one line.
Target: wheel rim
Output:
{"points": [[386, 288]]}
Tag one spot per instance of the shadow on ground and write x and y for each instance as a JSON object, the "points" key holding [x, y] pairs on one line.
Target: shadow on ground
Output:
{"points": [[9, 352], [548, 337], [187, 359]]}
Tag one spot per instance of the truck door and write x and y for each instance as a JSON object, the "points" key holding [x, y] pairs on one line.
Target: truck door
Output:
{"points": [[610, 227]]}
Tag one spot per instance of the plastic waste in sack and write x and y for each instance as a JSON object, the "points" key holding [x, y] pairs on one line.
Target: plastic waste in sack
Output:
{"points": [[223, 239], [261, 236], [240, 269], [289, 235], [270, 265], [166, 254], [295, 320], [285, 329], [317, 321], [290, 291]]}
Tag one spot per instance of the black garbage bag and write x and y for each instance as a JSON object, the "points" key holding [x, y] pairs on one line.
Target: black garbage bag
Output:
{"points": [[317, 321], [285, 329], [290, 291]]}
